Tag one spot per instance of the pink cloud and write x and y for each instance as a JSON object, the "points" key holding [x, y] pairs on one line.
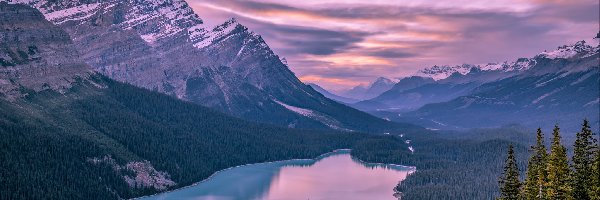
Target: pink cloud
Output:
{"points": [[355, 41]]}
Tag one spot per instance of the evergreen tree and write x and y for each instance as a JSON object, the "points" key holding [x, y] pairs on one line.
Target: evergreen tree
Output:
{"points": [[536, 172], [510, 185], [595, 176], [558, 185], [582, 162]]}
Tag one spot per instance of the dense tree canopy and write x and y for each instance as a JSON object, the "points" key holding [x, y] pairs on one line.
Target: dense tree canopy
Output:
{"points": [[552, 178]]}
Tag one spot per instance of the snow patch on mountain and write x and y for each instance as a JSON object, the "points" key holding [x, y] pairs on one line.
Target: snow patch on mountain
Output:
{"points": [[382, 81], [376, 88], [494, 66], [592, 102], [520, 65], [326, 120], [569, 51], [152, 19], [176, 16], [546, 82], [217, 33], [579, 49], [301, 111], [72, 14], [584, 77], [442, 72], [545, 95]]}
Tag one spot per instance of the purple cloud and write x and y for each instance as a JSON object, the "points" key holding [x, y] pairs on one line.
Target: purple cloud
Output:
{"points": [[339, 45]]}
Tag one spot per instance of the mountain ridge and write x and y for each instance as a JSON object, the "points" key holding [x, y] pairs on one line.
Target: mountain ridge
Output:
{"points": [[92, 137], [374, 89], [330, 95], [579, 48], [515, 93], [163, 45]]}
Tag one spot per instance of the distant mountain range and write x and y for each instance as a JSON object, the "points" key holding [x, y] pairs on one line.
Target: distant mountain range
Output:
{"points": [[374, 89], [162, 45], [559, 86], [332, 96]]}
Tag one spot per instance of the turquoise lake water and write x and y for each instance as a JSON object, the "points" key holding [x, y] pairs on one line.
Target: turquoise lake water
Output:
{"points": [[331, 176]]}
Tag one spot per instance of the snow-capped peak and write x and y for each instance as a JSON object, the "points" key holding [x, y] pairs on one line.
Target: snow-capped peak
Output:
{"points": [[568, 51], [383, 81], [442, 72], [152, 19], [519, 65], [203, 38], [158, 19], [579, 49]]}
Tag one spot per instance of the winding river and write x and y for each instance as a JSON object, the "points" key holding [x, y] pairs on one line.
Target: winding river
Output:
{"points": [[333, 175]]}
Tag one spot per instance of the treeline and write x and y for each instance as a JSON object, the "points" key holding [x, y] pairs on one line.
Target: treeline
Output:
{"points": [[550, 175], [450, 165]]}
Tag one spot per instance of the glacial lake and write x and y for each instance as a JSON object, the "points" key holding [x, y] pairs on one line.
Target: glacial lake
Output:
{"points": [[334, 175]]}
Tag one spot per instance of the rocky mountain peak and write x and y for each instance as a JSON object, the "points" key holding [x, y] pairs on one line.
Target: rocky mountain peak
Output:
{"points": [[437, 72], [382, 81], [154, 20], [34, 53], [578, 49], [163, 45]]}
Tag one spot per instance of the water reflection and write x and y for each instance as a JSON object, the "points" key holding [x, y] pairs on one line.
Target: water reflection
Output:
{"points": [[332, 176]]}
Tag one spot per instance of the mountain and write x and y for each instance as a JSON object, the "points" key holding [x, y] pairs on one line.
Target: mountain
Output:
{"points": [[559, 86], [361, 92], [441, 72], [71, 133], [443, 83], [440, 83], [408, 93], [445, 72], [162, 45], [30, 48], [330, 95]]}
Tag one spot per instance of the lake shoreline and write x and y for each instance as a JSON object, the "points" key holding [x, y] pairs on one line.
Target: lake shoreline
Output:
{"points": [[315, 160]]}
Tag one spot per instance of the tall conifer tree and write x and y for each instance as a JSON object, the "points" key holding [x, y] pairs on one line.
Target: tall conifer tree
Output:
{"points": [[534, 187], [510, 185], [583, 158], [595, 177], [558, 185]]}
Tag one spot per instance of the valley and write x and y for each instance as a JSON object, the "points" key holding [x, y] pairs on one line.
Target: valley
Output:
{"points": [[107, 99], [493, 95]]}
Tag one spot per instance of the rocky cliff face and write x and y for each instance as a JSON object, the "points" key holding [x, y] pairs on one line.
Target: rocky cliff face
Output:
{"points": [[163, 45], [35, 54]]}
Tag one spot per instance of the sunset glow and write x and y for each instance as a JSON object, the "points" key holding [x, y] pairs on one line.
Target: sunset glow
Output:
{"points": [[394, 38]]}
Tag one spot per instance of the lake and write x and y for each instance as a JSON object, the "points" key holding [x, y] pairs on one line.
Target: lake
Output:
{"points": [[334, 175]]}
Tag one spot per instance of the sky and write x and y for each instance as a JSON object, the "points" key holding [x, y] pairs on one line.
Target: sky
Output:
{"points": [[341, 44]]}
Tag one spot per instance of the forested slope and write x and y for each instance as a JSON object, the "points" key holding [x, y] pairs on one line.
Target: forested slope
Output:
{"points": [[85, 143]]}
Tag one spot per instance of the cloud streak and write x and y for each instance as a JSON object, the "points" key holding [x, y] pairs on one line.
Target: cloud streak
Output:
{"points": [[339, 45]]}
